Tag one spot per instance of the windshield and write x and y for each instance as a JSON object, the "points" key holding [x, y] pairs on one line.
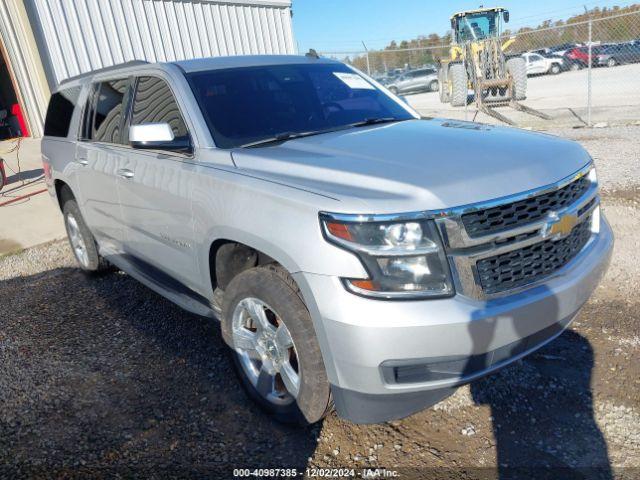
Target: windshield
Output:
{"points": [[478, 26], [246, 105]]}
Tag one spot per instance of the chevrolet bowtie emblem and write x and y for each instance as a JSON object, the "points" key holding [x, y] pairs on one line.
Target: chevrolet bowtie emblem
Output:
{"points": [[558, 227]]}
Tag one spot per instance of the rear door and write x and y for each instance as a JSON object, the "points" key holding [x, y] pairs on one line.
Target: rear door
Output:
{"points": [[98, 155], [155, 190]]}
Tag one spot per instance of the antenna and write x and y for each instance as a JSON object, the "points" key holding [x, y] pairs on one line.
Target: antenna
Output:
{"points": [[312, 53]]}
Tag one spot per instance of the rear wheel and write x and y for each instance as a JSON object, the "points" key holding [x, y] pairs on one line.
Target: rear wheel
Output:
{"points": [[555, 69], [575, 66], [612, 62], [518, 70], [274, 346], [393, 90], [83, 244], [458, 85]]}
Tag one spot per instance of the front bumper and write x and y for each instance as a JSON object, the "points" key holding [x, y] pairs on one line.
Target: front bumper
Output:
{"points": [[389, 359]]}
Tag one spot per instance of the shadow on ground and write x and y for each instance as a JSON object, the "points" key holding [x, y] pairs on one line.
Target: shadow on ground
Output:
{"points": [[101, 373]]}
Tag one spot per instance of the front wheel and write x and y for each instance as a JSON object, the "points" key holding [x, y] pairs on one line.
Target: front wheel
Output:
{"points": [[433, 86], [274, 347], [443, 85], [459, 85], [393, 90], [555, 69], [611, 62], [518, 70]]}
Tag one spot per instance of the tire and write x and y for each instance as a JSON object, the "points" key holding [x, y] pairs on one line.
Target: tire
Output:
{"points": [[394, 90], [82, 242], [459, 83], [443, 85], [518, 70], [575, 67], [268, 358], [434, 86], [612, 62], [555, 69]]}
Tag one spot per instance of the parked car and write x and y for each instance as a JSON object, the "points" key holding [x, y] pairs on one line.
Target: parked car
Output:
{"points": [[578, 57], [420, 80], [562, 48], [618, 54], [537, 64], [356, 254]]}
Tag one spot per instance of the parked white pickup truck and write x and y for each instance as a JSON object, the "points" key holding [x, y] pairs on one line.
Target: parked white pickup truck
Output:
{"points": [[537, 64]]}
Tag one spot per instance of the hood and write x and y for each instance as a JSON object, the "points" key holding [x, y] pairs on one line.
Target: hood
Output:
{"points": [[416, 164]]}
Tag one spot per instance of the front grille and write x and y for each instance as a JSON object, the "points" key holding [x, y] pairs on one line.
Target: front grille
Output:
{"points": [[532, 263], [516, 214]]}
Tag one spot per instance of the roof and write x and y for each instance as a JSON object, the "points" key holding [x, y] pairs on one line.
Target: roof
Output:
{"points": [[201, 64], [479, 10], [214, 63]]}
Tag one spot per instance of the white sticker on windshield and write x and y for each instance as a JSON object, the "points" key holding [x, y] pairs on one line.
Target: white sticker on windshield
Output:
{"points": [[353, 80]]}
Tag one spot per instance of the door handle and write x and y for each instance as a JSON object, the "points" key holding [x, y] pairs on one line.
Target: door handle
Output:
{"points": [[125, 173]]}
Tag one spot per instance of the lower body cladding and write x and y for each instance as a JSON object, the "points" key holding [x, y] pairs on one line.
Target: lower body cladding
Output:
{"points": [[389, 359]]}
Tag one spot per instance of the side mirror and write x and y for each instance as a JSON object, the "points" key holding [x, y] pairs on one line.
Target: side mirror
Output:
{"points": [[156, 136], [505, 16]]}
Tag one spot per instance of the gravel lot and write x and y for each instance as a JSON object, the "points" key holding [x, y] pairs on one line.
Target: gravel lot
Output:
{"points": [[99, 375]]}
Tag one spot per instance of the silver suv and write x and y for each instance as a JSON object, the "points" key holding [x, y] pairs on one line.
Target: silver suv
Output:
{"points": [[356, 255], [423, 79]]}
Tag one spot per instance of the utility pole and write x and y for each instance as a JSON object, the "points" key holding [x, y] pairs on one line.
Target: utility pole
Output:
{"points": [[367, 53]]}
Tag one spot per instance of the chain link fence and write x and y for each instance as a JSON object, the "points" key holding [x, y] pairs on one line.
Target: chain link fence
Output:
{"points": [[581, 72]]}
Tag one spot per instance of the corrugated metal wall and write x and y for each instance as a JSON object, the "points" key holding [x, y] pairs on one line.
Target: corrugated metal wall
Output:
{"points": [[19, 45], [84, 35]]}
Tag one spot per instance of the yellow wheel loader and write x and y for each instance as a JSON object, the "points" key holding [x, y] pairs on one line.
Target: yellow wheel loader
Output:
{"points": [[477, 61]]}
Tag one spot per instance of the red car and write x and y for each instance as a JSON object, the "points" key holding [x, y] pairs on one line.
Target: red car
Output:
{"points": [[578, 57]]}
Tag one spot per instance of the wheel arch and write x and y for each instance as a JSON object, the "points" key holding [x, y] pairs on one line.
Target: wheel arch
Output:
{"points": [[231, 253], [63, 192]]}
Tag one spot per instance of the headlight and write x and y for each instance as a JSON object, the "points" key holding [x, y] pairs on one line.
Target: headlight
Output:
{"points": [[404, 259]]}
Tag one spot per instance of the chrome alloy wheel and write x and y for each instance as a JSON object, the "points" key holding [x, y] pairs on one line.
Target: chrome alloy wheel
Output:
{"points": [[77, 242], [266, 351]]}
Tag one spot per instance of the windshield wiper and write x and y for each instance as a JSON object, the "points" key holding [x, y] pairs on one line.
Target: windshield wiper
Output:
{"points": [[284, 136], [281, 137], [374, 121]]}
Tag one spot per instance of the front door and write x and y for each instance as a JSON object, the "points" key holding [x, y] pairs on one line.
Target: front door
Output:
{"points": [[98, 156], [155, 190]]}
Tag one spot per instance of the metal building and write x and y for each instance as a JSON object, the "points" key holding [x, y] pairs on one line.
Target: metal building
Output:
{"points": [[42, 42]]}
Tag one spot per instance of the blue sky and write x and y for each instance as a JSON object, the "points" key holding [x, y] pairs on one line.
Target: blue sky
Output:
{"points": [[341, 25]]}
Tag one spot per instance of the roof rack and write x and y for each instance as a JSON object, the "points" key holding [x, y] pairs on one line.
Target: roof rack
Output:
{"points": [[110, 68]]}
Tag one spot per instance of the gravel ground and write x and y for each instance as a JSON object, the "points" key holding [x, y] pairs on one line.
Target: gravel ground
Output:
{"points": [[101, 376]]}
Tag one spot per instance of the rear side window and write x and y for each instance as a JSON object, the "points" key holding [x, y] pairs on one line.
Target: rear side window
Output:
{"points": [[60, 111], [154, 103], [109, 106]]}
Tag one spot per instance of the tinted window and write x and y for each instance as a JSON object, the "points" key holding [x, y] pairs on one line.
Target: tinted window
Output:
{"points": [[245, 105], [154, 103], [60, 111], [108, 107]]}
